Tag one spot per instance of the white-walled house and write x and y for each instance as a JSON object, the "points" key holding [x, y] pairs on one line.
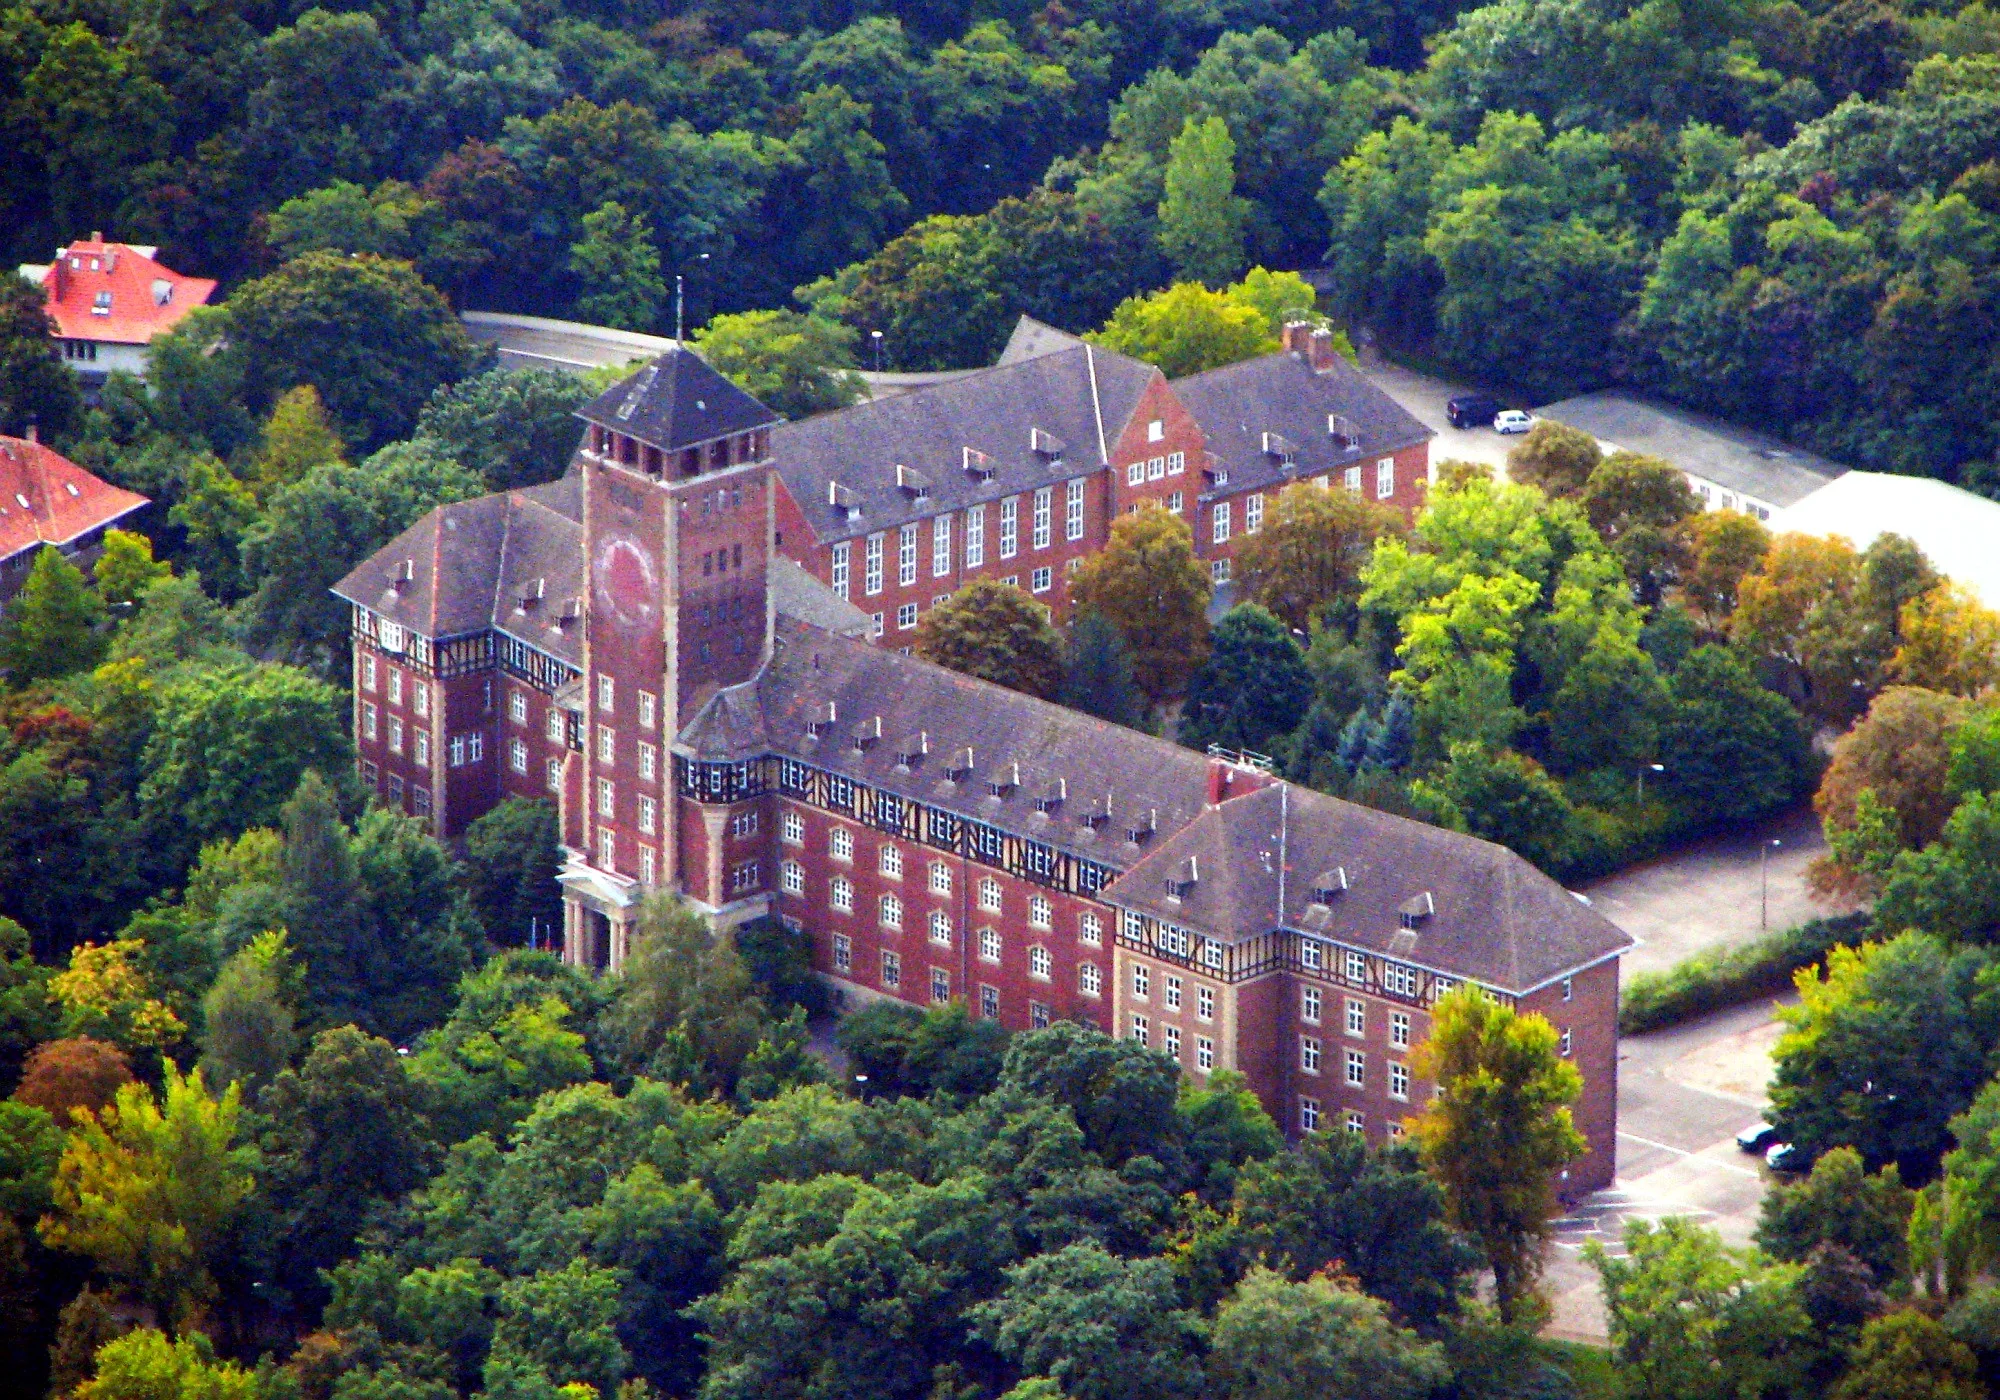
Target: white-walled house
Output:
{"points": [[108, 300]]}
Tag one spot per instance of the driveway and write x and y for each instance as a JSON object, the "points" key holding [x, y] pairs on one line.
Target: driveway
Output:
{"points": [[1424, 397], [1715, 892], [1683, 1094]]}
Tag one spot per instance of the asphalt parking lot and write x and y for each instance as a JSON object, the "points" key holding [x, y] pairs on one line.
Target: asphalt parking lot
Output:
{"points": [[1424, 397]]}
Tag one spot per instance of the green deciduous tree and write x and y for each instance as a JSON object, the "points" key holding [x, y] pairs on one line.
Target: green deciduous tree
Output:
{"points": [[795, 364], [1148, 584], [296, 438], [1841, 1204], [998, 633], [1187, 328], [510, 427], [1739, 750], [1504, 797], [1253, 688], [1693, 1320], [685, 1010], [1311, 550], [147, 1188], [619, 269], [217, 511], [1906, 1354], [1278, 1340], [248, 1017], [509, 869], [1555, 458], [1097, 672], [126, 570], [146, 1365], [1201, 215], [35, 385], [50, 626], [1950, 889], [1499, 1131]]}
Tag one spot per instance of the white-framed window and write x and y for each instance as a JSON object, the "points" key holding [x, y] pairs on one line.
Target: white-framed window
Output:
{"points": [[1142, 981], [1010, 527], [1399, 1029], [1308, 1114], [1170, 1040], [517, 706], [1040, 964], [649, 762], [1090, 930], [648, 867], [1073, 509], [1156, 467], [906, 617], [1309, 1054], [875, 624], [745, 876], [420, 698], [871, 565], [1170, 992], [517, 755], [367, 671], [940, 926], [1041, 580], [1041, 913], [989, 1002], [890, 910], [989, 895], [843, 953], [649, 814], [975, 536], [475, 744], [1357, 967], [1253, 514], [1357, 1122], [1204, 1053], [841, 553], [649, 709], [607, 848], [792, 877], [940, 546], [840, 843], [1218, 570], [1041, 522], [1399, 1080], [1135, 473], [1176, 501], [1204, 1003], [1309, 1000], [892, 969], [396, 735], [906, 555], [1569, 988], [1219, 522], [368, 719], [1038, 1016], [455, 751], [1565, 1042], [1176, 463], [1357, 1016], [1089, 980], [552, 779], [1357, 1069], [1352, 478], [607, 694], [1142, 1030], [607, 797], [1441, 988], [792, 829], [1211, 952], [607, 744], [553, 730], [1400, 978], [396, 691], [1155, 430], [1385, 478], [940, 878], [889, 860], [989, 945], [1309, 956], [940, 986], [840, 894]]}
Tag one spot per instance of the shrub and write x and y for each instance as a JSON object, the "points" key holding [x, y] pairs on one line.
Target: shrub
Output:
{"points": [[1721, 977]]}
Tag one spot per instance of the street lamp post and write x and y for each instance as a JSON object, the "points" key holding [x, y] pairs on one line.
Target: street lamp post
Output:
{"points": [[1764, 850], [680, 302], [1651, 767], [876, 336]]}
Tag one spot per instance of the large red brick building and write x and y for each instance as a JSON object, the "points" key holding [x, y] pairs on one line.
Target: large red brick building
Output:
{"points": [[659, 643]]}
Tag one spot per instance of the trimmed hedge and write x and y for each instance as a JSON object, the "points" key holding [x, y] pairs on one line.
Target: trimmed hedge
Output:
{"points": [[1722, 977]]}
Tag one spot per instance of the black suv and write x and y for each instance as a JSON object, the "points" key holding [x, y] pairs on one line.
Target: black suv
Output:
{"points": [[1472, 410]]}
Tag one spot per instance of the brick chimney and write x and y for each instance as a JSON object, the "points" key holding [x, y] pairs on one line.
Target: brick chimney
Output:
{"points": [[1322, 354], [1298, 339]]}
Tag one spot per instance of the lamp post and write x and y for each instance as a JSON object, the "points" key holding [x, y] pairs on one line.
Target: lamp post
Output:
{"points": [[680, 301], [876, 336], [1651, 767], [1764, 850]]}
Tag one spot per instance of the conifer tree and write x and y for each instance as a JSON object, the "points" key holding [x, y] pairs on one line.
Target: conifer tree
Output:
{"points": [[49, 629]]}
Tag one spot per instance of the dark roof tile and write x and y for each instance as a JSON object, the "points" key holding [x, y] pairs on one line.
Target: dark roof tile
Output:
{"points": [[676, 401]]}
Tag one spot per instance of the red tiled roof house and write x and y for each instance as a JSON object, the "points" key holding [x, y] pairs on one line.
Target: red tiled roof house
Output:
{"points": [[109, 300], [46, 499]]}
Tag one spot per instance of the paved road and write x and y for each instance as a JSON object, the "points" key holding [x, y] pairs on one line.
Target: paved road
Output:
{"points": [[1683, 1094], [1425, 398], [1713, 893]]}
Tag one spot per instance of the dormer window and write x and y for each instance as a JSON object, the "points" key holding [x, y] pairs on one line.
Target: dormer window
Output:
{"points": [[1341, 428], [843, 499], [1329, 885], [1005, 780], [910, 751], [1142, 825], [866, 734], [912, 483], [1416, 909], [100, 305], [1052, 796], [821, 719], [979, 465], [1279, 447], [1181, 883], [1045, 444], [1097, 814], [960, 767]]}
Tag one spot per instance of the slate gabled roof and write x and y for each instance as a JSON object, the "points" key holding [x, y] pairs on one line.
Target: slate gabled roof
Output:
{"points": [[1237, 404], [1497, 919], [676, 401], [470, 565], [1083, 395], [47, 499]]}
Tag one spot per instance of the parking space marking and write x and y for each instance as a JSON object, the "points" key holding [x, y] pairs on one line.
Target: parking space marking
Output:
{"points": [[1694, 1156]]}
